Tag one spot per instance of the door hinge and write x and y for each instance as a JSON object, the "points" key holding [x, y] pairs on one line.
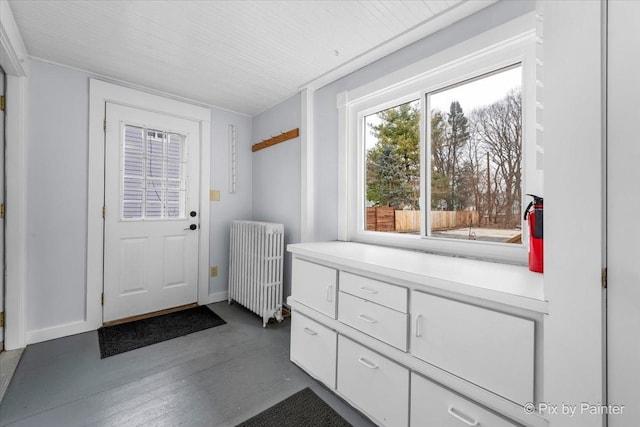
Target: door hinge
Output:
{"points": [[2, 211], [1, 319], [604, 278], [104, 125], [2, 103], [102, 299], [104, 212]]}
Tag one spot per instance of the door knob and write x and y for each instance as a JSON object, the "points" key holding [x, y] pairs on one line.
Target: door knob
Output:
{"points": [[192, 227]]}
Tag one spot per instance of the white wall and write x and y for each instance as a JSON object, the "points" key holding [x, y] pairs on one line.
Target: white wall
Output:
{"points": [[57, 170], [326, 114], [231, 206], [57, 167], [276, 175], [574, 222]]}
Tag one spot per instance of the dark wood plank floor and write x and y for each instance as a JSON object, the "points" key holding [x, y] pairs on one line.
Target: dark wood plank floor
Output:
{"points": [[217, 377]]}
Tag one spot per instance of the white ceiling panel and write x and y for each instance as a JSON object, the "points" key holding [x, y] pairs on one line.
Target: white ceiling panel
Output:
{"points": [[245, 56]]}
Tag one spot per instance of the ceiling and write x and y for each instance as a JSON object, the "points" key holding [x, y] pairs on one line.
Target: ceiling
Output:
{"points": [[245, 56]]}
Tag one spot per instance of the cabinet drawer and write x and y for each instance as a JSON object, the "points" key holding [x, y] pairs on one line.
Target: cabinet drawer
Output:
{"points": [[314, 285], [313, 348], [433, 405], [375, 384], [491, 349], [382, 293], [380, 322]]}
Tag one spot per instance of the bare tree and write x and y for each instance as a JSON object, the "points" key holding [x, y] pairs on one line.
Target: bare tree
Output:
{"points": [[499, 128]]}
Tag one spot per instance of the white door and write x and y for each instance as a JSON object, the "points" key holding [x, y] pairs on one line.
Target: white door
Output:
{"points": [[623, 212], [151, 212]]}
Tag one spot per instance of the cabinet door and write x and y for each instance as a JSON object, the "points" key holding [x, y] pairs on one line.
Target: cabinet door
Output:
{"points": [[623, 204], [313, 348], [375, 384], [433, 405], [491, 349], [314, 285]]}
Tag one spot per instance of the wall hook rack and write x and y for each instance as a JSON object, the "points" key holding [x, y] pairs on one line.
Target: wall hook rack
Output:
{"points": [[284, 136]]}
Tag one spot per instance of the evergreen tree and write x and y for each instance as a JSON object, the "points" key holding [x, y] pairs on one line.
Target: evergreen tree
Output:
{"points": [[440, 188], [386, 184], [396, 153], [457, 135]]}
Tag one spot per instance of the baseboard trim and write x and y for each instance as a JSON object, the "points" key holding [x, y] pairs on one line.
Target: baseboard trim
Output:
{"points": [[73, 328], [215, 297], [46, 334]]}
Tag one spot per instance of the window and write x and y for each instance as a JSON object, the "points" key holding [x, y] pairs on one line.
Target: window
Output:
{"points": [[442, 160], [474, 132], [153, 180]]}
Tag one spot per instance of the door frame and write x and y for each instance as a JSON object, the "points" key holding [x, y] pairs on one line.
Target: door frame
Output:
{"points": [[14, 60], [100, 93]]}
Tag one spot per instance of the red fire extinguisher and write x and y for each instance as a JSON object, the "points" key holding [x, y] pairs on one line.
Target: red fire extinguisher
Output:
{"points": [[536, 240]]}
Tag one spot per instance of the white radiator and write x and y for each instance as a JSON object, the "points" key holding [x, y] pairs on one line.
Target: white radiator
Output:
{"points": [[255, 267]]}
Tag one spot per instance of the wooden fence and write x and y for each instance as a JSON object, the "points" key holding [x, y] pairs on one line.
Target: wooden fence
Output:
{"points": [[406, 221], [444, 220], [381, 219]]}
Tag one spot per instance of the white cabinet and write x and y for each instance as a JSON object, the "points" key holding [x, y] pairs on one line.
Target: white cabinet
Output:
{"points": [[313, 347], [491, 349], [375, 384], [373, 319], [407, 348], [434, 406], [315, 286]]}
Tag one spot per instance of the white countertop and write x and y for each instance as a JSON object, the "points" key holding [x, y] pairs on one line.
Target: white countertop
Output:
{"points": [[502, 283]]}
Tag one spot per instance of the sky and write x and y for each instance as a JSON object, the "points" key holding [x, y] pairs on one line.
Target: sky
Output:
{"points": [[478, 92], [470, 95]]}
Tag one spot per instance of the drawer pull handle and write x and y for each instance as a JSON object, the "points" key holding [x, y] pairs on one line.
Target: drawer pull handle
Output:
{"points": [[367, 318], [310, 331], [369, 364], [462, 417], [418, 331], [330, 293], [368, 290]]}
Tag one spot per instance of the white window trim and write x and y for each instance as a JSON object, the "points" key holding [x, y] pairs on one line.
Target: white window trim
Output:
{"points": [[513, 42]]}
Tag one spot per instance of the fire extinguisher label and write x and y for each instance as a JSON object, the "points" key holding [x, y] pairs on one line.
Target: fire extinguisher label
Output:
{"points": [[538, 230]]}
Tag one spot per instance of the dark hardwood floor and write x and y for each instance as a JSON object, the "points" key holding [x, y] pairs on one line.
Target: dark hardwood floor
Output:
{"points": [[216, 377]]}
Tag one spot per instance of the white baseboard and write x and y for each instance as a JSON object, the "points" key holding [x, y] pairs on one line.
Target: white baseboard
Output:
{"points": [[46, 334], [215, 297]]}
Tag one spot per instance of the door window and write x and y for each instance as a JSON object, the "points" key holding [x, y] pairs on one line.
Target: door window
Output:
{"points": [[153, 174]]}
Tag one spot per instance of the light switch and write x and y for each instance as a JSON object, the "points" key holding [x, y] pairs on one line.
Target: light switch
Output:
{"points": [[214, 195]]}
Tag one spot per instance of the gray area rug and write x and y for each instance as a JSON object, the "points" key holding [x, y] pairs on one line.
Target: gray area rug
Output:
{"points": [[125, 337], [303, 409]]}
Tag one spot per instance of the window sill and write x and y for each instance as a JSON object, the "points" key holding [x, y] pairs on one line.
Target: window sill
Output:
{"points": [[511, 285]]}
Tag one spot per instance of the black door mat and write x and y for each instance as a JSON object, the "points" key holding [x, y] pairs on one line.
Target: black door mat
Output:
{"points": [[125, 337], [304, 408]]}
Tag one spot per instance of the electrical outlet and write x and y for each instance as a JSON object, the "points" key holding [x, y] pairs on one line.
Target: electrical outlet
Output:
{"points": [[214, 271]]}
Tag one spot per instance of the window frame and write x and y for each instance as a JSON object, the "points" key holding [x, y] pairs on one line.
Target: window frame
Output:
{"points": [[501, 47]]}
